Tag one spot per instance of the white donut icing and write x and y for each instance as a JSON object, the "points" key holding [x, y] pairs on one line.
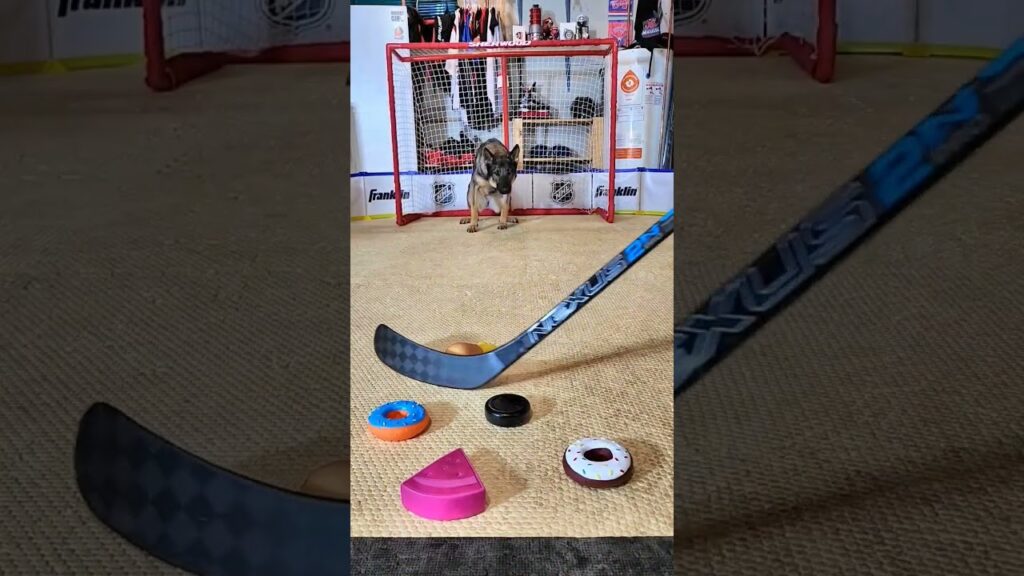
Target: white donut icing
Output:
{"points": [[601, 471]]}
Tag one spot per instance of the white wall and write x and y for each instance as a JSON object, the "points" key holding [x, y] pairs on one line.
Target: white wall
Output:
{"points": [[41, 30], [371, 119], [991, 24], [24, 34], [984, 23], [876, 21], [980, 24]]}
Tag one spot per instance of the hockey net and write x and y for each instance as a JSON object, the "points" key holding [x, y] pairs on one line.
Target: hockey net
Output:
{"points": [[804, 29], [554, 99], [186, 39]]}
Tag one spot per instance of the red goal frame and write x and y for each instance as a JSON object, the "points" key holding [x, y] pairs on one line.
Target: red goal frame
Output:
{"points": [[817, 59], [165, 74], [605, 47]]}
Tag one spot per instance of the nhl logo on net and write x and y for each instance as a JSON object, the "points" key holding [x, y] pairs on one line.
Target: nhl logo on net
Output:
{"points": [[296, 14], [562, 192], [444, 194], [689, 11]]}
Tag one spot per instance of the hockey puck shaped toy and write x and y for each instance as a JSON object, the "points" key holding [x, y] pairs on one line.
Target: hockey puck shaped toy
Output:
{"points": [[399, 420], [507, 410], [597, 463]]}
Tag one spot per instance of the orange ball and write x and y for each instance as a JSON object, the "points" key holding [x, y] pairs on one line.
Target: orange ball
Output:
{"points": [[464, 349]]}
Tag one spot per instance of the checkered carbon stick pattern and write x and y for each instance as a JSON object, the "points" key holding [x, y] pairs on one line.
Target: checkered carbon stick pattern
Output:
{"points": [[200, 517], [434, 367]]}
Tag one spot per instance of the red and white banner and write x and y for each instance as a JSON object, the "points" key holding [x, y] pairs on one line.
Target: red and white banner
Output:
{"points": [[636, 191], [42, 30]]}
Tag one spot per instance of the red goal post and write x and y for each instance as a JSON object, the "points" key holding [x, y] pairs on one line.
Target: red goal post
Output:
{"points": [[555, 99], [186, 39], [806, 30]]}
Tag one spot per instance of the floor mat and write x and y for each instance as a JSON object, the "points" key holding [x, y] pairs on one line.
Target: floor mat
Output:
{"points": [[606, 372], [180, 256], [874, 426]]}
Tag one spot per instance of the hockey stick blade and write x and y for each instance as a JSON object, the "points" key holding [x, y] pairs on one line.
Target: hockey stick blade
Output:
{"points": [[468, 372], [975, 113], [200, 517]]}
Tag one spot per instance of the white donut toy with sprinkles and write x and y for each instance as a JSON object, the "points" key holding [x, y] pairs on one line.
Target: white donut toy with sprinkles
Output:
{"points": [[597, 463]]}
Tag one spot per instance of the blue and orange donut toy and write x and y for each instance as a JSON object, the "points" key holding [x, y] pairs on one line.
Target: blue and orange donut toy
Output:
{"points": [[398, 420]]}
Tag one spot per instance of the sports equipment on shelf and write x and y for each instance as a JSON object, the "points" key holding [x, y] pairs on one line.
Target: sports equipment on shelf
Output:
{"points": [[554, 99], [975, 113], [185, 39], [200, 517], [467, 372], [805, 29]]}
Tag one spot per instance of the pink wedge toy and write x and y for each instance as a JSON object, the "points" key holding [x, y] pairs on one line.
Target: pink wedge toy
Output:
{"points": [[448, 489]]}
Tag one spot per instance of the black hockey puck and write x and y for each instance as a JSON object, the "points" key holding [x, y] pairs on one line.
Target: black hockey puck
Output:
{"points": [[507, 410]]}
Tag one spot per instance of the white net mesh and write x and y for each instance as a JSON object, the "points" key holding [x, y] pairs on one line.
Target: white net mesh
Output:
{"points": [[246, 27], [553, 102]]}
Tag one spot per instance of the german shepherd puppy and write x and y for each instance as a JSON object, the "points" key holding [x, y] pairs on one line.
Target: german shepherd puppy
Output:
{"points": [[494, 170]]}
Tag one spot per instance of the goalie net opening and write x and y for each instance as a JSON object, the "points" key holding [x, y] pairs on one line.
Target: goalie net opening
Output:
{"points": [[804, 29], [186, 39], [555, 100]]}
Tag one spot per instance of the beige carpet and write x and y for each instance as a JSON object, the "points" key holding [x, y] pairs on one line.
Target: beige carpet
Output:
{"points": [[874, 426], [607, 372], [182, 257]]}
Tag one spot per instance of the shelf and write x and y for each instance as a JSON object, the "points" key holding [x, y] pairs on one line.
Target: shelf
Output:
{"points": [[556, 159], [524, 131], [557, 120]]}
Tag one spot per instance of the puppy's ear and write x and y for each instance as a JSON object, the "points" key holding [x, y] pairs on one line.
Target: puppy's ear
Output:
{"points": [[514, 154], [484, 161]]}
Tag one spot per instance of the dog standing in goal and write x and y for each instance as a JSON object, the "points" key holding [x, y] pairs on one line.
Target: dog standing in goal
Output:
{"points": [[494, 170]]}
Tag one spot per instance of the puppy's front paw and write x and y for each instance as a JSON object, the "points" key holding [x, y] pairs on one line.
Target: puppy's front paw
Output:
{"points": [[464, 221], [502, 225], [472, 228], [513, 220]]}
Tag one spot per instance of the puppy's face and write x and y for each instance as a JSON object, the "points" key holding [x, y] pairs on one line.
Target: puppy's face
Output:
{"points": [[502, 171]]}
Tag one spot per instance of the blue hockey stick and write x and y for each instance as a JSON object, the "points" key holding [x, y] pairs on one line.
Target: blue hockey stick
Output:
{"points": [[975, 113], [467, 372], [198, 516]]}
